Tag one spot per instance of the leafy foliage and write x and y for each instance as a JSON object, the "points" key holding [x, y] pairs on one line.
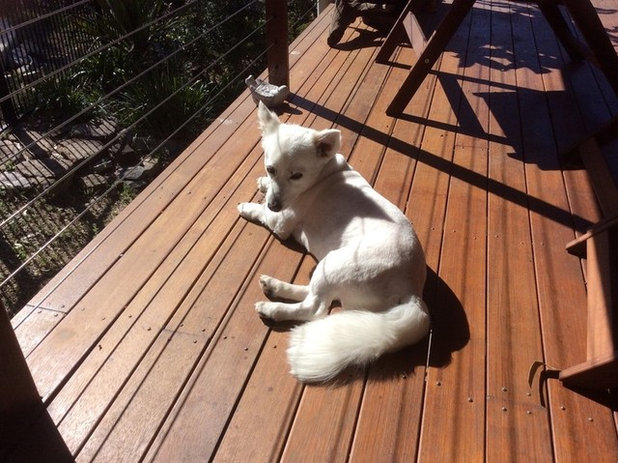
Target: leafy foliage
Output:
{"points": [[155, 63], [166, 101]]}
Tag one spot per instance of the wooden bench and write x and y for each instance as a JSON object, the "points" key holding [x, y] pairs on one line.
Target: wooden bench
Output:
{"points": [[599, 246], [600, 249], [601, 368]]}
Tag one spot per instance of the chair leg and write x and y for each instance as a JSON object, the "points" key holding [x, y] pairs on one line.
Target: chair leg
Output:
{"points": [[585, 17], [394, 37], [430, 54]]}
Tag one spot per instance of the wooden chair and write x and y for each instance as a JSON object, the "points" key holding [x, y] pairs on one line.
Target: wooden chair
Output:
{"points": [[600, 51], [599, 246], [600, 249]]}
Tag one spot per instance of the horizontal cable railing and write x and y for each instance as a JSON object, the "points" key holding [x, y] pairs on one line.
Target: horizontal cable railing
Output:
{"points": [[84, 132]]}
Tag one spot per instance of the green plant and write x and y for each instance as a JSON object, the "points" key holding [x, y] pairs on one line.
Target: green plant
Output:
{"points": [[165, 95], [300, 14], [125, 30], [68, 94], [115, 19], [215, 64]]}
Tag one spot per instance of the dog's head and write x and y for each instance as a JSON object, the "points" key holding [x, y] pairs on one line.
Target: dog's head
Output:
{"points": [[294, 157]]}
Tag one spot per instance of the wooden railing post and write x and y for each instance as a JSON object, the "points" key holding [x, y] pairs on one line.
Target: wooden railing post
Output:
{"points": [[27, 432], [322, 4], [19, 400], [277, 42], [6, 106]]}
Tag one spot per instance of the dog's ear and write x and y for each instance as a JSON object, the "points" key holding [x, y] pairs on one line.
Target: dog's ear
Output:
{"points": [[327, 142], [267, 120]]}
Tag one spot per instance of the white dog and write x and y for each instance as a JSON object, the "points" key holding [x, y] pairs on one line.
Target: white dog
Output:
{"points": [[369, 257]]}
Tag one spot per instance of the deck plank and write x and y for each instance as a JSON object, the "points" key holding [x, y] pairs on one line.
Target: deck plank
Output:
{"points": [[368, 152], [460, 435], [142, 256], [203, 244], [247, 189], [33, 325], [341, 416], [514, 417], [92, 262], [107, 300], [244, 418], [252, 435], [339, 424], [393, 383], [333, 69]]}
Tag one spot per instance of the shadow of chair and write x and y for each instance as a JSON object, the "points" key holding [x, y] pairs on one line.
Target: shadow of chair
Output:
{"points": [[599, 51]]}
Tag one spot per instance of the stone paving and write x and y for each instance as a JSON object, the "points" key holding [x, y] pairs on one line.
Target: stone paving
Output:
{"points": [[92, 154]]}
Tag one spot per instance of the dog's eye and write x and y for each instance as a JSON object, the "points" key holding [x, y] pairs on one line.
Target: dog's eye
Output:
{"points": [[271, 170], [296, 176]]}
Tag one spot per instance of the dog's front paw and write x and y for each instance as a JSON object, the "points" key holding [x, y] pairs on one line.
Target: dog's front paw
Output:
{"points": [[263, 183], [250, 211], [242, 207]]}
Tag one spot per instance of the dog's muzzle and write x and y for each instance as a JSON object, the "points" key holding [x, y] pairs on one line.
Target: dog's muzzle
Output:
{"points": [[274, 205]]}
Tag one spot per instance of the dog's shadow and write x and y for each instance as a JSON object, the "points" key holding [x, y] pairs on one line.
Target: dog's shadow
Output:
{"points": [[450, 329], [364, 39], [449, 333]]}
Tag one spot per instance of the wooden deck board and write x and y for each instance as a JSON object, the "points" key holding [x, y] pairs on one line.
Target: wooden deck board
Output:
{"points": [[462, 268], [146, 346], [512, 312], [393, 381], [323, 100]]}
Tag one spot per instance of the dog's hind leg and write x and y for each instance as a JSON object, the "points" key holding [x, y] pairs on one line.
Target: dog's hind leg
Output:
{"points": [[318, 296], [277, 289], [310, 308]]}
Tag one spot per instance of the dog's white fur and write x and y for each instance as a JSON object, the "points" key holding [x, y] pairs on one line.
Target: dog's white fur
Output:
{"points": [[369, 256]]}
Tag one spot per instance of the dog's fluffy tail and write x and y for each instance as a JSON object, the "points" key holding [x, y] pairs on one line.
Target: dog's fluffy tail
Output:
{"points": [[320, 349]]}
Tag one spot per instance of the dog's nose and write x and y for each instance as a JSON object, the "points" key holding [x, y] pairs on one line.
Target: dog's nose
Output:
{"points": [[274, 205]]}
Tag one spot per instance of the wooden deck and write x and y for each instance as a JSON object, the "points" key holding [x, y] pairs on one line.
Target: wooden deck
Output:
{"points": [[146, 346]]}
